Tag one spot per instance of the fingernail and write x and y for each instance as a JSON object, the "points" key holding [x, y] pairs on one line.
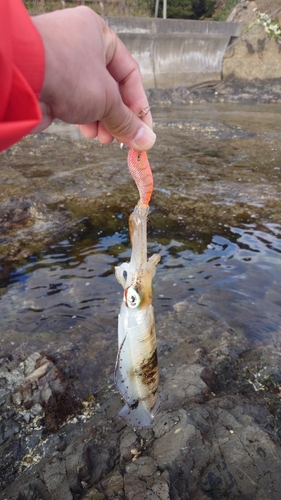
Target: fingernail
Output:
{"points": [[145, 138]]}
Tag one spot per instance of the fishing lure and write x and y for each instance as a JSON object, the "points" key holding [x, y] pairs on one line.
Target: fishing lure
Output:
{"points": [[141, 172], [136, 370]]}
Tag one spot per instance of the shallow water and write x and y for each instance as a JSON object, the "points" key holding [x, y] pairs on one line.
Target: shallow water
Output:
{"points": [[215, 220], [237, 275]]}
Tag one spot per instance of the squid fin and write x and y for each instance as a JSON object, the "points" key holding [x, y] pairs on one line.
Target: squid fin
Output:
{"points": [[137, 414]]}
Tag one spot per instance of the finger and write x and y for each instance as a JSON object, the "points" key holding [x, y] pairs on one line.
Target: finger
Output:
{"points": [[121, 122], [103, 135], [89, 130], [125, 125], [125, 70], [130, 81]]}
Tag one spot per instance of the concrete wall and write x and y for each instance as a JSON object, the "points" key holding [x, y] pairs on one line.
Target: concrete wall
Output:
{"points": [[173, 52]]}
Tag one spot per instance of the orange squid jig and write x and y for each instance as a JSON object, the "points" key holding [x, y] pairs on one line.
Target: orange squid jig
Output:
{"points": [[141, 172]]}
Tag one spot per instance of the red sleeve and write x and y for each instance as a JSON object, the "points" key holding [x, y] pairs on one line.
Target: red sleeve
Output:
{"points": [[21, 73]]}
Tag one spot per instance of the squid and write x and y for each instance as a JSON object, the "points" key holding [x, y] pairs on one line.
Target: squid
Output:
{"points": [[136, 369]]}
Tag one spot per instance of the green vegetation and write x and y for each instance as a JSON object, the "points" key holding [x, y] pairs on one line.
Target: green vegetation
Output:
{"points": [[271, 27], [41, 6], [189, 9], [177, 9], [223, 13], [142, 8]]}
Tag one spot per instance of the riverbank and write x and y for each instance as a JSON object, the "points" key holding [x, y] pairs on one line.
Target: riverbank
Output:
{"points": [[185, 53], [216, 222], [231, 90]]}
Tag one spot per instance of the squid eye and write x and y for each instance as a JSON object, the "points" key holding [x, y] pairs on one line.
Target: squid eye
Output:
{"points": [[132, 298]]}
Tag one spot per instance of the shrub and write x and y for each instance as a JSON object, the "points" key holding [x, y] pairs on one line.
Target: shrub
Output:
{"points": [[189, 9]]}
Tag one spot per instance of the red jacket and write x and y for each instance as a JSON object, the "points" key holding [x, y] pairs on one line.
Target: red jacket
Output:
{"points": [[21, 73]]}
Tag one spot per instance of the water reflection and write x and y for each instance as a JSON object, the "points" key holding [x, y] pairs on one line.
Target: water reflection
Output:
{"points": [[214, 221], [236, 273]]}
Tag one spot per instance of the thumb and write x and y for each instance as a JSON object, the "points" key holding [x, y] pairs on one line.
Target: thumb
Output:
{"points": [[126, 126]]}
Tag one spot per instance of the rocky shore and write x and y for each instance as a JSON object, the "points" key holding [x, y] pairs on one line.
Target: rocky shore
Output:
{"points": [[232, 90], [218, 432]]}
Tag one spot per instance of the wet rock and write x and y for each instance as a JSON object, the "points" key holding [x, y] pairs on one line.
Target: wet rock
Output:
{"points": [[176, 440], [143, 479], [134, 487], [200, 451], [113, 485], [128, 441], [37, 398], [14, 211], [29, 364], [238, 436], [94, 494], [21, 216], [218, 431], [233, 89], [37, 384], [42, 381], [55, 477], [186, 383]]}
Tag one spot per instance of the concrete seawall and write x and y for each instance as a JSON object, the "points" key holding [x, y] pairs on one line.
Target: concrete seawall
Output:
{"points": [[173, 52]]}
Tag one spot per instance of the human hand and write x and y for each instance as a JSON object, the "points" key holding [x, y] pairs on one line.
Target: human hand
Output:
{"points": [[91, 79]]}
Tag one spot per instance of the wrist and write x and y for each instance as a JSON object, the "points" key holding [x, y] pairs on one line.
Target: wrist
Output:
{"points": [[28, 49], [48, 37]]}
